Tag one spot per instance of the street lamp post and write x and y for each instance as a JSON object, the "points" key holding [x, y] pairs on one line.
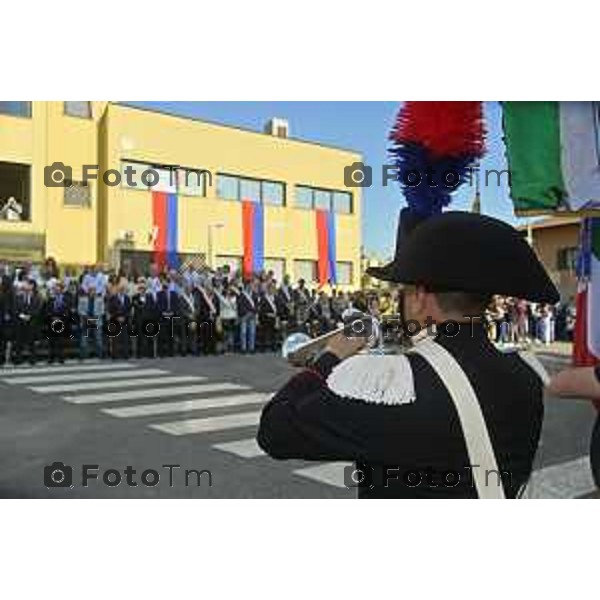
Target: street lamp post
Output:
{"points": [[212, 226]]}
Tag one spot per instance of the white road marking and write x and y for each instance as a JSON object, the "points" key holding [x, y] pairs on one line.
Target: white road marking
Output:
{"points": [[243, 448], [74, 368], [103, 376], [163, 408], [119, 383], [154, 393], [569, 479], [209, 424], [328, 473]]}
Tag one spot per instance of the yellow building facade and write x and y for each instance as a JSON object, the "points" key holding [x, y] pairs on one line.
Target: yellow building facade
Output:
{"points": [[210, 167]]}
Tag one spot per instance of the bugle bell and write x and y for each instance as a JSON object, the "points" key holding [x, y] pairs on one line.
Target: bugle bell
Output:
{"points": [[299, 349]]}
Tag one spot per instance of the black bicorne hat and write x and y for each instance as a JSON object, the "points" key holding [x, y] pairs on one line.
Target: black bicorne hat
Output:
{"points": [[468, 252]]}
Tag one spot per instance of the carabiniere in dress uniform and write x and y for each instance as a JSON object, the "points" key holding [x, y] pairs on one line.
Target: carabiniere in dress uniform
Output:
{"points": [[453, 417]]}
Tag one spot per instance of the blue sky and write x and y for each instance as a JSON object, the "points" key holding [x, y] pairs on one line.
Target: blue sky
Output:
{"points": [[361, 126]]}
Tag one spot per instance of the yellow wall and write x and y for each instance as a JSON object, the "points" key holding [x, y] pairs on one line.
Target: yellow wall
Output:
{"points": [[547, 241], [78, 235], [164, 139], [51, 136]]}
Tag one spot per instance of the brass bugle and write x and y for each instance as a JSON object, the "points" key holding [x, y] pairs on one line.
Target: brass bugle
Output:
{"points": [[299, 349]]}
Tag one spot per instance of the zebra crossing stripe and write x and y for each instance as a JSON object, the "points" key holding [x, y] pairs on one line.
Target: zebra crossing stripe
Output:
{"points": [[243, 448], [209, 424], [328, 473], [154, 393], [73, 368], [163, 408], [62, 378], [569, 479], [119, 383]]}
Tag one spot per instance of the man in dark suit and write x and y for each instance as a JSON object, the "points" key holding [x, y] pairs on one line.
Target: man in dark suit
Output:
{"points": [[284, 300], [145, 319], [119, 312], [167, 304], [58, 312], [268, 319], [207, 310], [7, 315], [28, 312]]}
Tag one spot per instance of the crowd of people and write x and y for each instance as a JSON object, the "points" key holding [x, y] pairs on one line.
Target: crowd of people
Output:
{"points": [[164, 312], [513, 321], [109, 313]]}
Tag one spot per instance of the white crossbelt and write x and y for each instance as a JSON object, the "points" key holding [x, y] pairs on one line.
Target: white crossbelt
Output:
{"points": [[479, 446]]}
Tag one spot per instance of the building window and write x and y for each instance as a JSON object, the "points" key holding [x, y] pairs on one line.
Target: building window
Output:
{"points": [[305, 269], [344, 273], [331, 200], [167, 180], [566, 259], [273, 193], [81, 109], [342, 202], [250, 190], [133, 177], [323, 199], [192, 182], [232, 187], [228, 187], [78, 194], [15, 186], [277, 265], [16, 108], [304, 197]]}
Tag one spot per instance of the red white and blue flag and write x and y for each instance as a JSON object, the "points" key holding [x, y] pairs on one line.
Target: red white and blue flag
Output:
{"points": [[586, 349], [164, 233], [253, 232], [326, 240]]}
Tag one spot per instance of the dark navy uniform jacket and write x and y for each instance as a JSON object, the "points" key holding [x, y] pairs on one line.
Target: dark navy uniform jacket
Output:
{"points": [[416, 440]]}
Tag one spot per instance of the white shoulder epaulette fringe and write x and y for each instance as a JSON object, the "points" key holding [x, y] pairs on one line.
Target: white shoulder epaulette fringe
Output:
{"points": [[376, 379]]}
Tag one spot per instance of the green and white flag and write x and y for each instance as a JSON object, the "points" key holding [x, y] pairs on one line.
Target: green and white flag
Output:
{"points": [[553, 151]]}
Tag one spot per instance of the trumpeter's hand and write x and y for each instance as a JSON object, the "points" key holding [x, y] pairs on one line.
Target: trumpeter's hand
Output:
{"points": [[344, 346]]}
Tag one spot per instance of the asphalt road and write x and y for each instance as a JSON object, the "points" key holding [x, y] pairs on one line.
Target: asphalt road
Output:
{"points": [[113, 415]]}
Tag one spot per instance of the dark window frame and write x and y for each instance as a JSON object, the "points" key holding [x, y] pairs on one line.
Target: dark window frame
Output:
{"points": [[332, 193], [89, 116], [27, 184], [240, 178], [29, 105]]}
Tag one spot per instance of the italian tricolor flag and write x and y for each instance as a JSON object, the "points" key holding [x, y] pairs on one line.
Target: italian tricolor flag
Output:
{"points": [[586, 350], [553, 151]]}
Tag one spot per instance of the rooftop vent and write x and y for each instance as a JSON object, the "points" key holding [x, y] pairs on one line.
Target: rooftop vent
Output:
{"points": [[278, 127]]}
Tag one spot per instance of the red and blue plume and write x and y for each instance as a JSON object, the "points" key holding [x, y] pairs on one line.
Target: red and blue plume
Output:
{"points": [[434, 145]]}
